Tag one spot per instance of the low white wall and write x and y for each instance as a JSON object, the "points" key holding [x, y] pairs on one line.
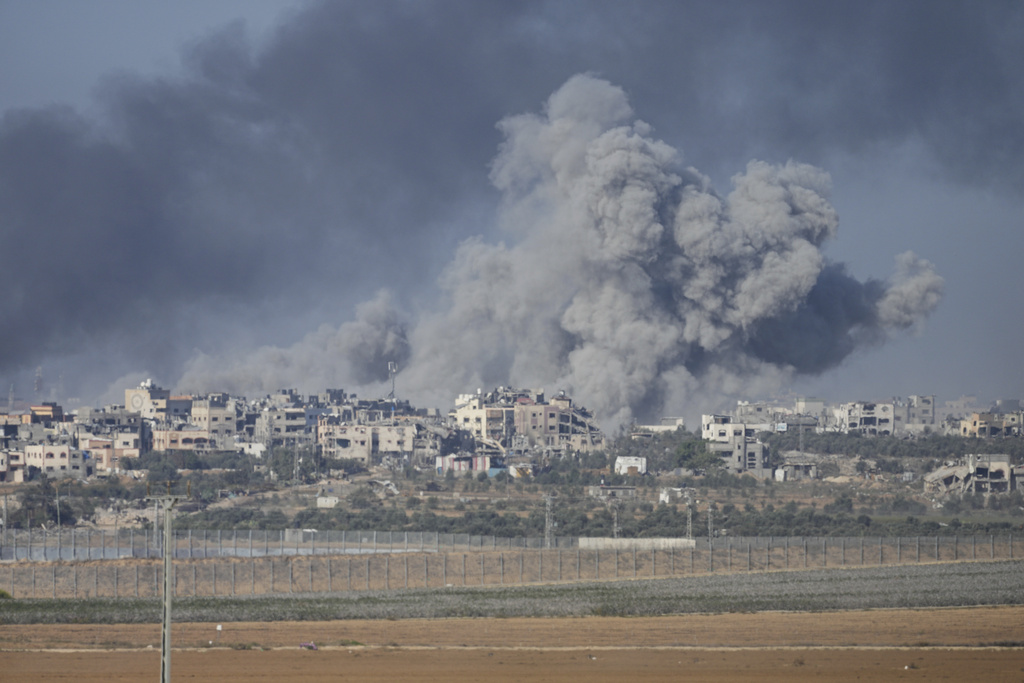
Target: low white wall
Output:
{"points": [[638, 543]]}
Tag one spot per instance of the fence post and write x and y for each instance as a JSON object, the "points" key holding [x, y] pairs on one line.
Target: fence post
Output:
{"points": [[368, 571], [464, 568], [748, 556], [271, 576], [426, 576], [880, 551], [805, 552], [992, 546], [824, 551], [136, 581], [252, 572], [501, 568], [387, 572], [232, 578], [115, 582], [577, 563], [215, 580], [444, 570], [406, 558], [53, 579], [195, 586]]}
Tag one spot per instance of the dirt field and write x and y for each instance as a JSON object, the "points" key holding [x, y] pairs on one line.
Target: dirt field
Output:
{"points": [[947, 644]]}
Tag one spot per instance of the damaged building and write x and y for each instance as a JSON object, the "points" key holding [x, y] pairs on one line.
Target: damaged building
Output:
{"points": [[507, 418], [974, 474]]}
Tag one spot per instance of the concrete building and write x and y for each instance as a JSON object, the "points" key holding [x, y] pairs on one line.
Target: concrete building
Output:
{"points": [[217, 414], [505, 418], [283, 427], [56, 460], [744, 455], [864, 417], [988, 425], [630, 465], [974, 474], [915, 415], [724, 428], [183, 438]]}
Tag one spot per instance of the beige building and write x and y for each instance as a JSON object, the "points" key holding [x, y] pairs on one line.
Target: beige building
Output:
{"points": [[867, 418], [185, 438], [985, 425], [56, 460], [157, 404], [217, 415]]}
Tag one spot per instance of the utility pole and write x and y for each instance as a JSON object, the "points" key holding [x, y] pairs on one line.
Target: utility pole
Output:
{"points": [[548, 521], [166, 501], [711, 542]]}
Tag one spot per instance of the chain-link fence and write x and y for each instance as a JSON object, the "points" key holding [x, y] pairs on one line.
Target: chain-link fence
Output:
{"points": [[333, 569], [89, 544]]}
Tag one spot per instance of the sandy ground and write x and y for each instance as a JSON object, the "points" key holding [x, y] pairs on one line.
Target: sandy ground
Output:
{"points": [[947, 644]]}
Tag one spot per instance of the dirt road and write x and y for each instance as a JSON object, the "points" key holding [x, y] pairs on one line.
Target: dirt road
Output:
{"points": [[948, 644]]}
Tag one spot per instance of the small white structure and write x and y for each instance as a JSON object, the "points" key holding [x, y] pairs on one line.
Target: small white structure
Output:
{"points": [[630, 464]]}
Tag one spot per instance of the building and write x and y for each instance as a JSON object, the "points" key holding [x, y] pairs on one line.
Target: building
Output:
{"points": [[505, 418], [916, 415], [217, 415], [737, 443], [630, 465], [867, 418], [183, 438], [988, 425], [56, 460]]}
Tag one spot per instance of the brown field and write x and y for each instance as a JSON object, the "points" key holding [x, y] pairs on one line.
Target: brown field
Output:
{"points": [[946, 644]]}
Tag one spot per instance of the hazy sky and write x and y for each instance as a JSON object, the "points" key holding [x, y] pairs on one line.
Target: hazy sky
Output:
{"points": [[240, 189]]}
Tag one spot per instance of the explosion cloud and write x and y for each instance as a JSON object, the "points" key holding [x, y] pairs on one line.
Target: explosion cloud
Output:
{"points": [[628, 280]]}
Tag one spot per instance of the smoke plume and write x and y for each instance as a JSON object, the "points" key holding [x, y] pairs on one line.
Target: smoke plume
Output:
{"points": [[630, 281]]}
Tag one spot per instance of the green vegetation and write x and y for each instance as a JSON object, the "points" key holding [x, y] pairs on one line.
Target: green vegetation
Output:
{"points": [[930, 585]]}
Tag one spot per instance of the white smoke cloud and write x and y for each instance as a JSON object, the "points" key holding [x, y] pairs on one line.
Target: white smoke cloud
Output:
{"points": [[628, 280]]}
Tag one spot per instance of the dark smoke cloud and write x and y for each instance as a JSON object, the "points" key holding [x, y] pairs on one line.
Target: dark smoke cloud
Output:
{"points": [[267, 190]]}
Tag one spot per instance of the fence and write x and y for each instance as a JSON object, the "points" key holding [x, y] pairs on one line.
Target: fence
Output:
{"points": [[88, 544], [341, 572]]}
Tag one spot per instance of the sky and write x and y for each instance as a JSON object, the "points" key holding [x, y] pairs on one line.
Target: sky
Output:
{"points": [[659, 207]]}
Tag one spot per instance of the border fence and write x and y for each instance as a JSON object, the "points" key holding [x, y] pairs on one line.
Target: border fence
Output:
{"points": [[101, 544], [303, 562]]}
